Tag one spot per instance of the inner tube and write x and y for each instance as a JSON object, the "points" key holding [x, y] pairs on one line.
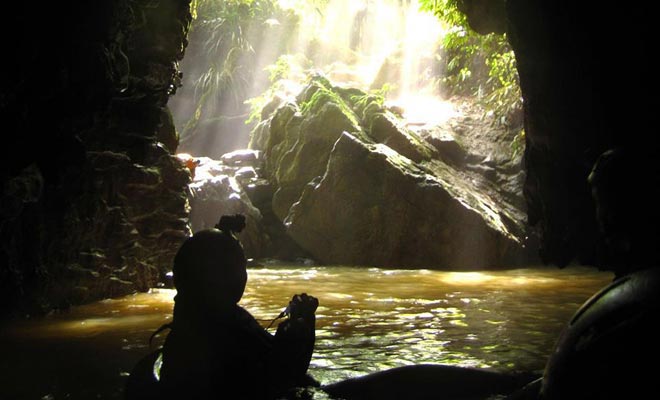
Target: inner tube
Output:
{"points": [[428, 381], [610, 348]]}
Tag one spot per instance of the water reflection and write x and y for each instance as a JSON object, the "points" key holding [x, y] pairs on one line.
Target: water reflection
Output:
{"points": [[368, 320]]}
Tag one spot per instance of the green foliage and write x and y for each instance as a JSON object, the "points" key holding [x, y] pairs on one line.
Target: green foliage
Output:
{"points": [[256, 104], [324, 93], [384, 90], [287, 67], [229, 9], [360, 102], [303, 6], [299, 68], [481, 65], [446, 10], [231, 29]]}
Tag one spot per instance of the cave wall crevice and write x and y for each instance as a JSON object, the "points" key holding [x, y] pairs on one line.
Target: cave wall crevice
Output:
{"points": [[94, 202], [586, 77], [588, 86]]}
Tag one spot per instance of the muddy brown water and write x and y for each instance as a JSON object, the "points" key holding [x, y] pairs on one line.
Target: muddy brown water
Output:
{"points": [[369, 319]]}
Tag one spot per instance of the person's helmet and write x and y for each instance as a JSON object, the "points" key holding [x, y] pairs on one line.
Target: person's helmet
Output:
{"points": [[622, 182], [610, 348], [209, 262]]}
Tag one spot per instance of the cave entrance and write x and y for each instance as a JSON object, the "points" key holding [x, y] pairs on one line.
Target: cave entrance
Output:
{"points": [[272, 88], [242, 53]]}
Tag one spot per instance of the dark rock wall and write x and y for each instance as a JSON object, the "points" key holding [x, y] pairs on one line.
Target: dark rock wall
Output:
{"points": [[93, 201], [589, 85], [563, 134]]}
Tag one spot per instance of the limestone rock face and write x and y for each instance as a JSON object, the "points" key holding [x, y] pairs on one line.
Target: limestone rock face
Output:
{"points": [[353, 185], [98, 204], [122, 238], [117, 233], [376, 207], [234, 184], [217, 190], [571, 117]]}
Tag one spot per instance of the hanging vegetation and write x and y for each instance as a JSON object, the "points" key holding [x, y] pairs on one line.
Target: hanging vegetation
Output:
{"points": [[478, 65], [246, 52], [226, 37]]}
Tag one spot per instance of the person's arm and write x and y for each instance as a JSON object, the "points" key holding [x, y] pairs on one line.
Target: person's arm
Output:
{"points": [[294, 343]]}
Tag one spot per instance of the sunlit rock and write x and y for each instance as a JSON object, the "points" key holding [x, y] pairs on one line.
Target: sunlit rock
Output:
{"points": [[376, 207], [387, 130], [244, 174], [353, 184], [241, 157], [446, 145], [217, 190], [301, 140], [234, 184]]}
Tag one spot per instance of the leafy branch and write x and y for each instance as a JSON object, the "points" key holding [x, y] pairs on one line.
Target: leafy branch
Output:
{"points": [[226, 66], [478, 65]]}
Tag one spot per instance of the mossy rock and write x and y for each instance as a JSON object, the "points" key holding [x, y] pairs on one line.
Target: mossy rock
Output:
{"points": [[385, 129], [374, 206], [307, 156]]}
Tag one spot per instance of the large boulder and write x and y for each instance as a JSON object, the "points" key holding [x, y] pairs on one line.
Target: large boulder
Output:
{"points": [[301, 140], [386, 129], [354, 185], [374, 206]]}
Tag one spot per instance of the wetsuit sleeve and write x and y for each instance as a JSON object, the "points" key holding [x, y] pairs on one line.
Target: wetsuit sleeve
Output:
{"points": [[292, 352]]}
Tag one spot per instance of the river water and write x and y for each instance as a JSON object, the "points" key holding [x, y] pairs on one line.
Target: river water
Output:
{"points": [[368, 319]]}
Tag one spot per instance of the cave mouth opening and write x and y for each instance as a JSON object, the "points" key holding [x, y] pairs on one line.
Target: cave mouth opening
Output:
{"points": [[290, 94], [125, 352], [240, 56]]}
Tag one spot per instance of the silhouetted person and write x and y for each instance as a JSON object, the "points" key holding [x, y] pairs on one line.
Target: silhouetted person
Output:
{"points": [[215, 348], [627, 212], [609, 349]]}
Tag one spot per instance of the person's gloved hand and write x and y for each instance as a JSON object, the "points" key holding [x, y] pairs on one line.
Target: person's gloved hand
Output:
{"points": [[303, 305]]}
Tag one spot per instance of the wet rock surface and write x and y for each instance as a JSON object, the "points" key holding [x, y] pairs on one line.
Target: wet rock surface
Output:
{"points": [[234, 185], [376, 207], [354, 185], [96, 200]]}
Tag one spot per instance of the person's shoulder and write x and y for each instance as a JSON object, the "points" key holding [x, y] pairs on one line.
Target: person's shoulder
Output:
{"points": [[250, 326], [243, 317]]}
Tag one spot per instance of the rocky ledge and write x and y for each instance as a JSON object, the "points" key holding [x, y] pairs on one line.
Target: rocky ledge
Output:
{"points": [[346, 179]]}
